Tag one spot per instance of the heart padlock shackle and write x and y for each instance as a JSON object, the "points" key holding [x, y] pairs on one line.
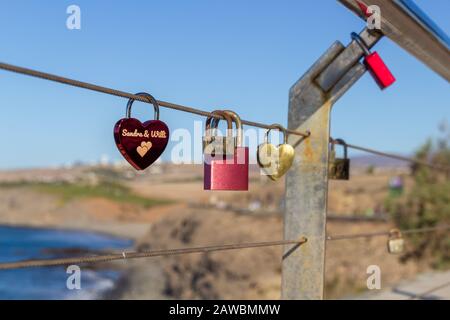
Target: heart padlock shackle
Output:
{"points": [[275, 161], [141, 144], [396, 243], [228, 172], [339, 168], [218, 145], [376, 66]]}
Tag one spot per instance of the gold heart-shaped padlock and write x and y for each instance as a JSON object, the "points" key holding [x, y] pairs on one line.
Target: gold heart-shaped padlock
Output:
{"points": [[275, 161]]}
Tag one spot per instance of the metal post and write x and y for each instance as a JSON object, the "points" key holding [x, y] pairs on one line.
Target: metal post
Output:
{"points": [[307, 182]]}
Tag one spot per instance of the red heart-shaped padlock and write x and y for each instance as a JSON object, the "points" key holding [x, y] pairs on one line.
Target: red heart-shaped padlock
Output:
{"points": [[141, 144]]}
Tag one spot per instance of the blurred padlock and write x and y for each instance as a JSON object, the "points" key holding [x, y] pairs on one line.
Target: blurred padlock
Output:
{"points": [[376, 66], [338, 168], [214, 144], [396, 243], [228, 172]]}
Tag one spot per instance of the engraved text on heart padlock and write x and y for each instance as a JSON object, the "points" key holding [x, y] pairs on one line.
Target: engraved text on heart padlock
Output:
{"points": [[141, 144], [275, 161]]}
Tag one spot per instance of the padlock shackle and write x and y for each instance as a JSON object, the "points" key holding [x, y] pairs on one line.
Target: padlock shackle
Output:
{"points": [[342, 143], [213, 123], [239, 131], [280, 128], [395, 233], [150, 99], [357, 38]]}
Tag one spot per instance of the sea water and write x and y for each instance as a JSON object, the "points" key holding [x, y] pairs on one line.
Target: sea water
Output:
{"points": [[51, 282]]}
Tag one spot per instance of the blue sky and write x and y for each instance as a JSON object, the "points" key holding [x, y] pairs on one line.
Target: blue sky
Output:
{"points": [[240, 54]]}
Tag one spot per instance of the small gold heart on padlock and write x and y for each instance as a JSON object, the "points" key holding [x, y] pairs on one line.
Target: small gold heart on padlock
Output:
{"points": [[144, 148], [275, 161], [147, 145]]}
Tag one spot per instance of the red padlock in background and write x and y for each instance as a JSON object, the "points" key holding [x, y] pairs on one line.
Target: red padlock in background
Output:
{"points": [[373, 62], [228, 172]]}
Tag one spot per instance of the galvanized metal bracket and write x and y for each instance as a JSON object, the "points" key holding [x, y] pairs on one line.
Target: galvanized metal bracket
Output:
{"points": [[310, 103]]}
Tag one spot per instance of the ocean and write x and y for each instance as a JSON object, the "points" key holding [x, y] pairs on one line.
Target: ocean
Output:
{"points": [[50, 283]]}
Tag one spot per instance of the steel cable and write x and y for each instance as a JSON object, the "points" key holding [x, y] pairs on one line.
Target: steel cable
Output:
{"points": [[386, 233], [205, 249], [143, 254], [424, 294], [393, 156], [118, 93]]}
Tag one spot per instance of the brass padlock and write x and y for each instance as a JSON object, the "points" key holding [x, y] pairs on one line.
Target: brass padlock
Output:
{"points": [[396, 243], [275, 161], [339, 168], [218, 145]]}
